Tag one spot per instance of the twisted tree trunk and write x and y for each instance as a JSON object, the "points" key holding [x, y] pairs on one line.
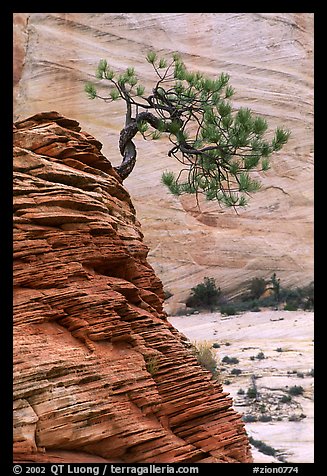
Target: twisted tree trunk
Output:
{"points": [[126, 145]]}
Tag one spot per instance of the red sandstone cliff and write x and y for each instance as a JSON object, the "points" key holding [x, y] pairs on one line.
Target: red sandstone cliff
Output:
{"points": [[99, 373]]}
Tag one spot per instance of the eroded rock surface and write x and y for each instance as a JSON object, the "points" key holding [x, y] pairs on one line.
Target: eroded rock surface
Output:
{"points": [[99, 372]]}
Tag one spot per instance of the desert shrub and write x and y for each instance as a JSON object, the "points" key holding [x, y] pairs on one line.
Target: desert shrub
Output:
{"points": [[236, 371], [236, 306], [230, 360], [265, 449], [260, 356], [311, 373], [279, 349], [205, 356], [228, 310], [240, 391], [252, 392], [296, 390], [286, 399], [265, 418], [205, 295], [255, 307], [215, 345], [308, 301], [249, 418], [289, 306], [152, 365], [257, 287], [269, 301], [299, 298]]}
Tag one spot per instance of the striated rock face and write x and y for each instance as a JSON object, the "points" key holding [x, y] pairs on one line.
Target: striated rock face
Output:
{"points": [[269, 57], [99, 372]]}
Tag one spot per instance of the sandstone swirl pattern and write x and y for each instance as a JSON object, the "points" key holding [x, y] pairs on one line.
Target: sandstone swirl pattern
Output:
{"points": [[99, 372], [269, 57]]}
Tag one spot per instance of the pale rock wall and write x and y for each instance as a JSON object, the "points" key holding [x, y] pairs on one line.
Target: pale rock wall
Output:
{"points": [[269, 57]]}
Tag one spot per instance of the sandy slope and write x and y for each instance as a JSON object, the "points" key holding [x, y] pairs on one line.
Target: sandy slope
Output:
{"points": [[244, 336]]}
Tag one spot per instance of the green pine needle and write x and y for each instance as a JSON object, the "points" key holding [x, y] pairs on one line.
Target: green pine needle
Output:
{"points": [[90, 90]]}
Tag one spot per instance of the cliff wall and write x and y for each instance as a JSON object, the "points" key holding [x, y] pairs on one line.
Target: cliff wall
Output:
{"points": [[99, 372]]}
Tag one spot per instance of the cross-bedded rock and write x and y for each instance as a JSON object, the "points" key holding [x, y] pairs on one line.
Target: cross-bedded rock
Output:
{"points": [[99, 372]]}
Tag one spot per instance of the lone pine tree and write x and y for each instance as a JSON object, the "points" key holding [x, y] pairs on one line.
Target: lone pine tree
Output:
{"points": [[217, 146]]}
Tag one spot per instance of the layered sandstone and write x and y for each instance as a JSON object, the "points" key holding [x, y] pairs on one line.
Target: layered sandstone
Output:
{"points": [[99, 372], [269, 57]]}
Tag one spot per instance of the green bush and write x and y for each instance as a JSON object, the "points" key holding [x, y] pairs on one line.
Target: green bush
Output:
{"points": [[255, 307], [290, 307], [296, 390], [265, 449], [257, 287], [299, 298], [265, 418], [228, 310], [269, 301], [236, 371], [230, 360], [205, 295], [252, 392], [286, 399], [308, 292], [249, 418]]}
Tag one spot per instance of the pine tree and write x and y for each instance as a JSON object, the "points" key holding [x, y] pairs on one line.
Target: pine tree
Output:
{"points": [[217, 146]]}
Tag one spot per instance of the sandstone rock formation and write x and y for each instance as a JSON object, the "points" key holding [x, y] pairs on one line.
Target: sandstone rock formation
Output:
{"points": [[99, 372], [269, 57]]}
